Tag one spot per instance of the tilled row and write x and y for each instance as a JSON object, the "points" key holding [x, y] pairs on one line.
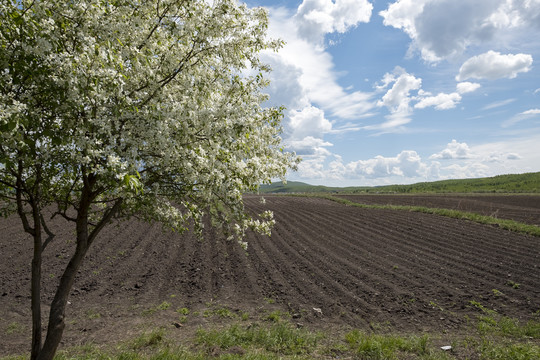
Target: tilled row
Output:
{"points": [[358, 266], [523, 208]]}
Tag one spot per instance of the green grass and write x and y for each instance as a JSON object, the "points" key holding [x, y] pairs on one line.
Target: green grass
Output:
{"points": [[506, 224], [163, 306], [374, 346], [279, 338], [491, 336]]}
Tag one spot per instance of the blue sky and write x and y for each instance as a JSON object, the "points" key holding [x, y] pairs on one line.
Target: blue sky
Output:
{"points": [[397, 92]]}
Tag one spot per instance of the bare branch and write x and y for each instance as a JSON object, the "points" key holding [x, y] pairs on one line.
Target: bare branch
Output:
{"points": [[50, 235]]}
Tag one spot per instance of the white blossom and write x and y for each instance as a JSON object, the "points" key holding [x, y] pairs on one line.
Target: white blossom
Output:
{"points": [[152, 103]]}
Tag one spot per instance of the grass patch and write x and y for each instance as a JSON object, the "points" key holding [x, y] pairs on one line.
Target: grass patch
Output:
{"points": [[14, 328], [455, 214], [280, 338], [373, 346], [163, 306], [491, 336]]}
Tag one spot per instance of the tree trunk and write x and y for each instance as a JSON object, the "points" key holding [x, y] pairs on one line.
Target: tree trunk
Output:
{"points": [[36, 297], [57, 323]]}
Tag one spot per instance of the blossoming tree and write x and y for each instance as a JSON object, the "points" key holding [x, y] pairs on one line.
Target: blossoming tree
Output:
{"points": [[115, 108]]}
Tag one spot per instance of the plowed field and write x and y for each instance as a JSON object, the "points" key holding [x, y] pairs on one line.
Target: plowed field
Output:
{"points": [[523, 208], [361, 267]]}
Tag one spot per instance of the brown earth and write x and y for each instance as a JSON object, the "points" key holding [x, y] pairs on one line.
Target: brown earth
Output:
{"points": [[522, 208], [366, 268]]}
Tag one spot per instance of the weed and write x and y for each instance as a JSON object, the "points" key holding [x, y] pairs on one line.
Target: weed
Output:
{"points": [[149, 339], [14, 328], [163, 306], [513, 284], [497, 292], [220, 312], [281, 338], [434, 305], [183, 311], [371, 346], [92, 314], [494, 350], [276, 316]]}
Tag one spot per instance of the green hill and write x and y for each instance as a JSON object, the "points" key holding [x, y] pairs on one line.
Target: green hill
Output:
{"points": [[515, 183]]}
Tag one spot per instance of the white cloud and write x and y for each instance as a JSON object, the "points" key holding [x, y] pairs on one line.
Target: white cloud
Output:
{"points": [[493, 65], [457, 160], [467, 87], [464, 171], [397, 98], [307, 74], [440, 101], [511, 156], [305, 82], [442, 29], [405, 164], [532, 113], [453, 150], [309, 121], [315, 18], [497, 104], [310, 146]]}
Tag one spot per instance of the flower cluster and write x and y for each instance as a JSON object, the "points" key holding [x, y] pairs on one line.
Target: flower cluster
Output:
{"points": [[150, 100]]}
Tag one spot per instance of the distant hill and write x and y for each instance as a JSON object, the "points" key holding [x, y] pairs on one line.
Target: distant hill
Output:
{"points": [[516, 183]]}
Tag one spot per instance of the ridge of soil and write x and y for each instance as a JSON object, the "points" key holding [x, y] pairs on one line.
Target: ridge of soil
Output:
{"points": [[522, 208], [366, 268]]}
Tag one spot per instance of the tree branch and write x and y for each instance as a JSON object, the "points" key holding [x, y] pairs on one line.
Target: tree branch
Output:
{"points": [[104, 220], [50, 235]]}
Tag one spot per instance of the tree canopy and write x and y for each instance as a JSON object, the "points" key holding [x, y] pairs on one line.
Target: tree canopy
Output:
{"points": [[150, 99], [115, 108]]}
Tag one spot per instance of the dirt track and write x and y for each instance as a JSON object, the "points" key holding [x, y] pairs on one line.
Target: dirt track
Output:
{"points": [[361, 267]]}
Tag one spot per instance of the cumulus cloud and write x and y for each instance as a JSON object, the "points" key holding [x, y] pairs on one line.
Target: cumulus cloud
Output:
{"points": [[405, 164], [397, 98], [442, 29], [440, 101], [467, 87], [494, 65], [454, 150], [315, 18], [457, 160], [307, 74], [305, 81], [309, 121]]}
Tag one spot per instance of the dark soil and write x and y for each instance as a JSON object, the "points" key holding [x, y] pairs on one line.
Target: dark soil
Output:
{"points": [[522, 208], [366, 268]]}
